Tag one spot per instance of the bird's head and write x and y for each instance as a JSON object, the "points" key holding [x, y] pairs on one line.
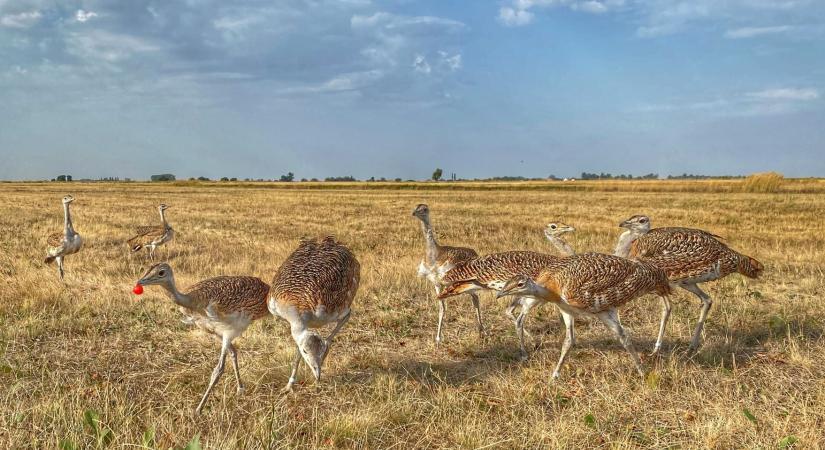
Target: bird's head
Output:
{"points": [[163, 207], [637, 223], [313, 350], [421, 211], [520, 285], [557, 229], [67, 199], [160, 273]]}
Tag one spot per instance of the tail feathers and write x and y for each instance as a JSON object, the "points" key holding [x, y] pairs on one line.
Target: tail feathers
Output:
{"points": [[49, 259], [750, 267]]}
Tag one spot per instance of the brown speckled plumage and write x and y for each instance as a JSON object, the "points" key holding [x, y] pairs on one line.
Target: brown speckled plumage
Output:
{"points": [[688, 255], [596, 282], [317, 273], [226, 295], [492, 271]]}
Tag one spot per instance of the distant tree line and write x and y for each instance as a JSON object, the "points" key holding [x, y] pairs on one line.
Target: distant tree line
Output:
{"points": [[609, 176], [690, 176], [163, 177]]}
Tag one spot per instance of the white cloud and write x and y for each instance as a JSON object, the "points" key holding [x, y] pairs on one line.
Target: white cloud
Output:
{"points": [[514, 17], [106, 47], [421, 65], [453, 62], [21, 20], [84, 16], [590, 6], [751, 32], [787, 94], [653, 18], [759, 103]]}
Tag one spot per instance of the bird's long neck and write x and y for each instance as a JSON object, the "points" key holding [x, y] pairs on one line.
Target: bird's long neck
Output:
{"points": [[178, 297], [68, 230], [429, 238], [625, 241], [163, 217], [561, 245], [542, 293]]}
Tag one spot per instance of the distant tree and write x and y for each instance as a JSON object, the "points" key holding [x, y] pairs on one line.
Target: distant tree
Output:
{"points": [[192, 178], [346, 178], [203, 179], [398, 180], [437, 174], [371, 179], [314, 179], [303, 180], [163, 177], [233, 179], [224, 179], [61, 178], [288, 177]]}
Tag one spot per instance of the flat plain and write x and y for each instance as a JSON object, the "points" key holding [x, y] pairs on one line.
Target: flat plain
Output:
{"points": [[90, 347]]}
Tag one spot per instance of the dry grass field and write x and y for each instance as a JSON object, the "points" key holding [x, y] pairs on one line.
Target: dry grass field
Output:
{"points": [[91, 346]]}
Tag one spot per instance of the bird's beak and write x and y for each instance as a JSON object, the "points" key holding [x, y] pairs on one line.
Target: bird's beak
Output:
{"points": [[316, 371], [624, 224], [502, 293]]}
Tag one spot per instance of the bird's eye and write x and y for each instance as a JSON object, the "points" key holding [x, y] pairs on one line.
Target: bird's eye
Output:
{"points": [[642, 220], [553, 227], [162, 273]]}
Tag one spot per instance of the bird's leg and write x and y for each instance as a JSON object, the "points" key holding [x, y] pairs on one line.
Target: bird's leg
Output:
{"points": [[525, 310], [511, 308], [296, 361], [569, 340], [662, 324], [343, 321], [703, 314], [59, 260], [234, 353], [477, 306], [442, 307], [611, 319], [216, 375]]}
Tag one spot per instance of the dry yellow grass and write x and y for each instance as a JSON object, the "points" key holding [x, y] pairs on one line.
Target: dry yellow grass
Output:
{"points": [[89, 345]]}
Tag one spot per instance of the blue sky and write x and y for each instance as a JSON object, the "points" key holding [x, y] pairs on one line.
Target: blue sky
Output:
{"points": [[396, 88]]}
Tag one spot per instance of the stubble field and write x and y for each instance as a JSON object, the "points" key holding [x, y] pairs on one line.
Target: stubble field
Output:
{"points": [[90, 347]]}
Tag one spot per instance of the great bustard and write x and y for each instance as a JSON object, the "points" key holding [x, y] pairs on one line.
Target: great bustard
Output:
{"points": [[437, 261], [592, 285], [314, 286], [66, 243], [689, 256], [153, 236], [222, 306], [492, 272]]}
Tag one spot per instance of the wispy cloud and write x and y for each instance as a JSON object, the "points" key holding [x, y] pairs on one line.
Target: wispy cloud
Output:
{"points": [[757, 103], [513, 17], [792, 94], [752, 32], [21, 20]]}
